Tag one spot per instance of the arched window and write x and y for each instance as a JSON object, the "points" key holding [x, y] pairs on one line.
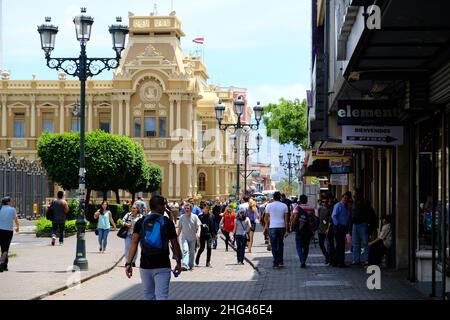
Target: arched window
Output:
{"points": [[201, 182]]}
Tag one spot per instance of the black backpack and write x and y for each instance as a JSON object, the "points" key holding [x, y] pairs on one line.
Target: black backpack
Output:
{"points": [[153, 235], [301, 222]]}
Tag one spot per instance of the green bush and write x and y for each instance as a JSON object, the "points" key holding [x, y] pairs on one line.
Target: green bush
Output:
{"points": [[44, 227], [73, 209]]}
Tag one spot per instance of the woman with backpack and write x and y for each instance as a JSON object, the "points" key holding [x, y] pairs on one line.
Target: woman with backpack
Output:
{"points": [[227, 224], [252, 214], [129, 220], [105, 221], [242, 225]]}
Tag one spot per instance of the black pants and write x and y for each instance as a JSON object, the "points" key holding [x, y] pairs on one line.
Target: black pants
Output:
{"points": [[339, 232], [204, 241], [322, 238], [227, 238], [5, 241], [376, 253], [58, 226], [332, 249]]}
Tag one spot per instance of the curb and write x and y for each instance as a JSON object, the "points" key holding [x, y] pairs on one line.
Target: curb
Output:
{"points": [[49, 293], [250, 262]]}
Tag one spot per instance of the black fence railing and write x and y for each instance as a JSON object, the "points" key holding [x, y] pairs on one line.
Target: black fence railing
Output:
{"points": [[26, 183]]}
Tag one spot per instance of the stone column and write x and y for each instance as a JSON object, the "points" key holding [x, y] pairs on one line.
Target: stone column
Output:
{"points": [[171, 118], [120, 124], [90, 117], [4, 117], [190, 180], [33, 116], [217, 169], [127, 117], [178, 114], [195, 174], [111, 128], [170, 179], [177, 181], [62, 114]]}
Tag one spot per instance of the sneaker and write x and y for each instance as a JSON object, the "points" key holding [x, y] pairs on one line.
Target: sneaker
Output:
{"points": [[61, 243], [100, 249], [303, 265], [184, 269], [133, 265], [53, 241], [209, 265]]}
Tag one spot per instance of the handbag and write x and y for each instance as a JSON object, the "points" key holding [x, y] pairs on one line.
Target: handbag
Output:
{"points": [[96, 232], [50, 214], [123, 232]]}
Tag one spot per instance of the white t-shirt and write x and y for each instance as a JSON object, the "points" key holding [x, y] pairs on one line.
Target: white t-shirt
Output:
{"points": [[276, 210]]}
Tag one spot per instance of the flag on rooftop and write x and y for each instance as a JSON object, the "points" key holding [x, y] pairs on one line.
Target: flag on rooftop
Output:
{"points": [[199, 40]]}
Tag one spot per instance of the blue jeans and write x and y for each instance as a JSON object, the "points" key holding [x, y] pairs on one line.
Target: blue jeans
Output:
{"points": [[302, 244], [127, 248], [241, 241], [360, 238], [155, 283], [188, 247], [277, 241], [103, 238]]}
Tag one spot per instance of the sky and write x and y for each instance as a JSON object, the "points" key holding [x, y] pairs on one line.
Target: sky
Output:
{"points": [[260, 45]]}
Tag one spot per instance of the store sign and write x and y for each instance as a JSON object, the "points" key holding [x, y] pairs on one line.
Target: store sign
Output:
{"points": [[343, 165], [369, 135], [331, 154], [367, 112], [340, 179]]}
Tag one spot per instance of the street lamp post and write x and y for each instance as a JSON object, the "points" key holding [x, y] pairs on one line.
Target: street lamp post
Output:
{"points": [[247, 152], [82, 68], [289, 165], [238, 126]]}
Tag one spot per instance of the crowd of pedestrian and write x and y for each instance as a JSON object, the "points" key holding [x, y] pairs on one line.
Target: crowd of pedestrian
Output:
{"points": [[188, 228]]}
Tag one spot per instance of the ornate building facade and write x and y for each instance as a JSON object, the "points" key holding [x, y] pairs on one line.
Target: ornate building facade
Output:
{"points": [[158, 96]]}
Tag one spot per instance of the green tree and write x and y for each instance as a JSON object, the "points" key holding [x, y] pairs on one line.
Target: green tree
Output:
{"points": [[283, 186], [149, 180], [112, 162], [289, 117]]}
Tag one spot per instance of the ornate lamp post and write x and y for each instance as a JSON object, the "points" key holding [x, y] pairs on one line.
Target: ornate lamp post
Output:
{"points": [[82, 68], [289, 165], [238, 126], [247, 152]]}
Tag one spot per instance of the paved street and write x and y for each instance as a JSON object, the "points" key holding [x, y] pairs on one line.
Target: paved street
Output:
{"points": [[229, 281]]}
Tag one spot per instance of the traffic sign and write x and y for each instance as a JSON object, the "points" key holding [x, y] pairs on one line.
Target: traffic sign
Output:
{"points": [[365, 135]]}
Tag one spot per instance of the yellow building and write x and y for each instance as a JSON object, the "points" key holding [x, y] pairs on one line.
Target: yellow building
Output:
{"points": [[158, 96]]}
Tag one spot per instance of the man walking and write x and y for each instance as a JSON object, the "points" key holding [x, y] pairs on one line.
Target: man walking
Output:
{"points": [[276, 221], [189, 227], [340, 218], [207, 233], [60, 208], [324, 221], [155, 265], [302, 223], [360, 236]]}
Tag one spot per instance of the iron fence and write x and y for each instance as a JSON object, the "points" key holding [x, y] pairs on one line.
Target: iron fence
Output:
{"points": [[26, 183]]}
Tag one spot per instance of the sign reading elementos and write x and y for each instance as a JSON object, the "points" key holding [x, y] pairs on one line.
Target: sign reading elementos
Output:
{"points": [[364, 135], [366, 112]]}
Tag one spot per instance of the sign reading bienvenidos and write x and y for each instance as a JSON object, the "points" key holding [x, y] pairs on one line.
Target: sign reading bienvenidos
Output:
{"points": [[367, 112]]}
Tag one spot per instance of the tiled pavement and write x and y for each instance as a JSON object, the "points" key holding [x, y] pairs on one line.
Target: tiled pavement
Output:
{"points": [[229, 281]]}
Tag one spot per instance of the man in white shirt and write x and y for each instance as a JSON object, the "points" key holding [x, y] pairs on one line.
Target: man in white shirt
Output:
{"points": [[276, 221], [189, 227]]}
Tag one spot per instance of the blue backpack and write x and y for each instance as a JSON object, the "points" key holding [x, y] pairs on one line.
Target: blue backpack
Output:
{"points": [[153, 235]]}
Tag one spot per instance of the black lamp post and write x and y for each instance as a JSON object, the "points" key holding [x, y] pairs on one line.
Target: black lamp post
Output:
{"points": [[289, 165], [239, 104], [247, 152], [82, 68]]}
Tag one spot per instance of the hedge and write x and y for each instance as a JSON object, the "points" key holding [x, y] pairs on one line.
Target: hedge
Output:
{"points": [[44, 227]]}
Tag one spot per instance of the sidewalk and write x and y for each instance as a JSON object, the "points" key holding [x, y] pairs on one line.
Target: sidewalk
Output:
{"points": [[320, 281], [38, 271]]}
